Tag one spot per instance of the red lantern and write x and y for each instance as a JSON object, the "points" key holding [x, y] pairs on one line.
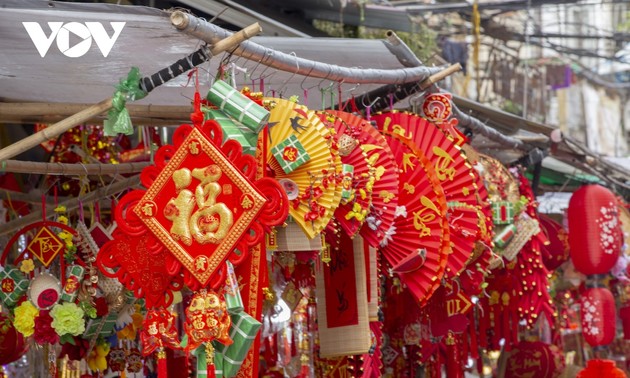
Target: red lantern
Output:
{"points": [[557, 251], [594, 230], [624, 314], [601, 368], [12, 345], [534, 359], [598, 316]]}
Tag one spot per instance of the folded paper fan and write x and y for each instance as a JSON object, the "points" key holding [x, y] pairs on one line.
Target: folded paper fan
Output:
{"points": [[417, 245], [385, 189], [454, 172], [316, 193], [357, 175]]}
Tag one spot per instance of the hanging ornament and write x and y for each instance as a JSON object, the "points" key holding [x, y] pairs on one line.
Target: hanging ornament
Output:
{"points": [[595, 233], [200, 206], [598, 314], [597, 368], [159, 332], [207, 319], [455, 175]]}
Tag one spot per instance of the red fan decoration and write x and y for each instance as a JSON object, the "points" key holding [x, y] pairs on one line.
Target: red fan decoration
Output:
{"points": [[200, 205], [418, 243], [385, 188], [455, 175], [352, 211]]}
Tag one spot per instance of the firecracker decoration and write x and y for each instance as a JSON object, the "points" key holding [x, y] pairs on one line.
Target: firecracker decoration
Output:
{"points": [[290, 154], [238, 106], [13, 285], [347, 172], [74, 277], [200, 205], [504, 236]]}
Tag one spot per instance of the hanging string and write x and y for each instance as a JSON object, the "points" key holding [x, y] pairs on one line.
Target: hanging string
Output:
{"points": [[81, 217], [44, 206], [262, 85], [391, 101], [341, 107], [306, 98]]}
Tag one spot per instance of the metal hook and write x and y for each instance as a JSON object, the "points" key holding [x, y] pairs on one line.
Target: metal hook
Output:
{"points": [[372, 103], [297, 69], [356, 86]]}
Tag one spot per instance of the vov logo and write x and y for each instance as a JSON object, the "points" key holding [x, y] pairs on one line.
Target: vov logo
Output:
{"points": [[84, 33]]}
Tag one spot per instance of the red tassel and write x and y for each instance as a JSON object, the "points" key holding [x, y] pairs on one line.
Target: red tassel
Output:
{"points": [[454, 366], [162, 368], [210, 372]]}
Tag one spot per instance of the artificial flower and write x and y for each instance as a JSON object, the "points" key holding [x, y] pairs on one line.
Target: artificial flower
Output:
{"points": [[62, 219], [101, 306], [44, 332], [60, 209], [66, 237], [68, 319], [389, 235], [27, 266], [24, 320]]}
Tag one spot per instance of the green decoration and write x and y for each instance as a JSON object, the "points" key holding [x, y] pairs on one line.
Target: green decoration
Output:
{"points": [[290, 154], [118, 120], [238, 106], [13, 285], [243, 331]]}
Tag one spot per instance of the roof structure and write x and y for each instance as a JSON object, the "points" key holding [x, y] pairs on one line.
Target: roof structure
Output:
{"points": [[59, 85]]}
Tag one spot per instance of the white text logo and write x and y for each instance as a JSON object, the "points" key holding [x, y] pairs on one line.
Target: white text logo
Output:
{"points": [[85, 33]]}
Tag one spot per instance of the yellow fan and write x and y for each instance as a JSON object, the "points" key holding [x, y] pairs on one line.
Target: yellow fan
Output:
{"points": [[316, 180]]}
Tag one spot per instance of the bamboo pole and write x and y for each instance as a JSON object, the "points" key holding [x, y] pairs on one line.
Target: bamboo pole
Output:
{"points": [[60, 127], [17, 166], [33, 197], [72, 203], [426, 83], [38, 112]]}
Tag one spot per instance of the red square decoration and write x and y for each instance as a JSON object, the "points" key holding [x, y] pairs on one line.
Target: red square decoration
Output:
{"points": [[200, 206]]}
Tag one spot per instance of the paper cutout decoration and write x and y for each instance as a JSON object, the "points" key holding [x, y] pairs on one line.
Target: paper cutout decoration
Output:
{"points": [[207, 319], [385, 189], [45, 246], [200, 205], [319, 193], [158, 331]]}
